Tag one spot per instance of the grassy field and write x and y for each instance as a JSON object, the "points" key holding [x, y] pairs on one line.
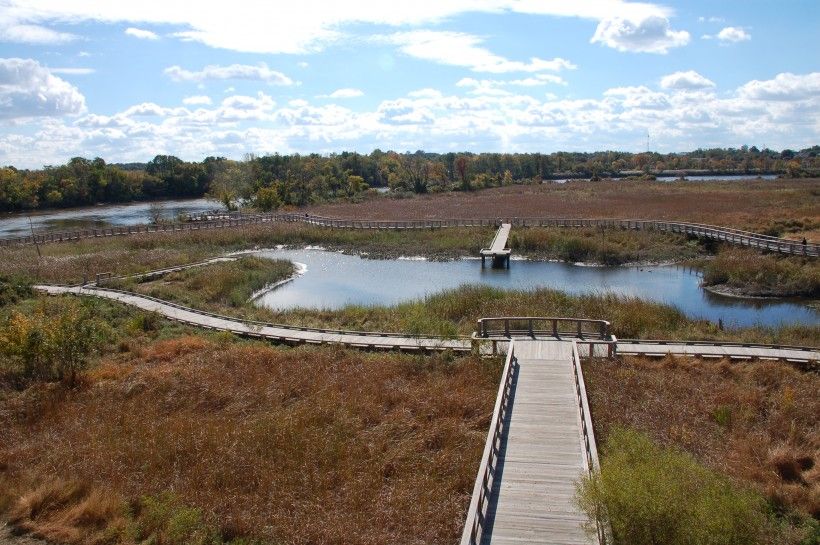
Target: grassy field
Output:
{"points": [[779, 207], [754, 422], [751, 273], [281, 445], [178, 436], [216, 285]]}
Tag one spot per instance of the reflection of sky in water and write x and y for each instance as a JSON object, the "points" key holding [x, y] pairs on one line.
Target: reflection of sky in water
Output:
{"points": [[334, 280], [97, 216]]}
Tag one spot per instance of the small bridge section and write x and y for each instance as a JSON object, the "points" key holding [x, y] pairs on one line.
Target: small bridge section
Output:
{"points": [[498, 250], [540, 443]]}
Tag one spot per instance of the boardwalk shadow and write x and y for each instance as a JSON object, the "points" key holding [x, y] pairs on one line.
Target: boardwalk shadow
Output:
{"points": [[498, 472]]}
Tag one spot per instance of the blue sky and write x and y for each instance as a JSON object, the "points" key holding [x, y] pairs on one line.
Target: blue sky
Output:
{"points": [[128, 80]]}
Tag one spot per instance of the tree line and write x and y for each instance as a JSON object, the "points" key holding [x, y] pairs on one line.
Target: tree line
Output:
{"points": [[272, 181]]}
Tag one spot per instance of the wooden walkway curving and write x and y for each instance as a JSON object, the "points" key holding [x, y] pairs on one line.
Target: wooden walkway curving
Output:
{"points": [[723, 234], [279, 333], [582, 330], [539, 445]]}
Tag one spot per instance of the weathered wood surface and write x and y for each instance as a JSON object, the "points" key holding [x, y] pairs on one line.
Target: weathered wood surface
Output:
{"points": [[717, 350], [292, 335], [541, 455], [712, 232], [499, 243]]}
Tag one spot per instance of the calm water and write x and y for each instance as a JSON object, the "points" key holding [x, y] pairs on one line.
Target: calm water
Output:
{"points": [[108, 215], [333, 280]]}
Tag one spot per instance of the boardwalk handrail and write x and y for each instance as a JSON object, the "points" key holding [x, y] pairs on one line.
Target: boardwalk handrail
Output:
{"points": [[722, 343], [510, 326], [588, 434], [725, 234], [474, 523]]}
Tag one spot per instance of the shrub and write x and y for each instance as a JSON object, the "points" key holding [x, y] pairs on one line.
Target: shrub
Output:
{"points": [[13, 289], [655, 495], [54, 342]]}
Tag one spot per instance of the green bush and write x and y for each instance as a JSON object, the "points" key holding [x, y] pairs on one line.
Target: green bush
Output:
{"points": [[654, 495], [53, 342], [13, 290]]}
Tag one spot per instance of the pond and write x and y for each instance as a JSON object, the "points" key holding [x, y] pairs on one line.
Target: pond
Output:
{"points": [[331, 280], [105, 215]]}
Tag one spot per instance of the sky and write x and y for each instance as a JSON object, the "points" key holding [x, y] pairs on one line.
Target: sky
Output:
{"points": [[126, 80]]}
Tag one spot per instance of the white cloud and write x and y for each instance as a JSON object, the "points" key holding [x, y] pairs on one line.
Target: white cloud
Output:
{"points": [[259, 72], [72, 71], [309, 25], [141, 33], [686, 80], [733, 35], [197, 100], [784, 87], [33, 34], [427, 92], [494, 86], [460, 49], [782, 112], [346, 92], [650, 35], [28, 89], [711, 19]]}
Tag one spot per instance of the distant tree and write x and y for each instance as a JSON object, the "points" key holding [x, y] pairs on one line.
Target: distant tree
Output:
{"points": [[461, 169], [267, 199], [156, 212]]}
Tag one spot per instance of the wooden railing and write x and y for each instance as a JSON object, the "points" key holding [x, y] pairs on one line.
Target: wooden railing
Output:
{"points": [[723, 234], [474, 524], [534, 326], [588, 435], [255, 325]]}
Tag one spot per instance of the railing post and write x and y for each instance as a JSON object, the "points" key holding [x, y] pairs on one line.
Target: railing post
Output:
{"points": [[506, 327], [532, 334]]}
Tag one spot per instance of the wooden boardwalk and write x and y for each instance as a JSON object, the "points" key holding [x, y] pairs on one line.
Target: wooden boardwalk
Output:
{"points": [[735, 351], [274, 332], [397, 341], [498, 250], [540, 445], [727, 235]]}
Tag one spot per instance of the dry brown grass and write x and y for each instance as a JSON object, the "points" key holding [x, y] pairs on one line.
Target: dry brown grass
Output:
{"points": [[291, 446], [747, 205], [754, 421], [63, 511]]}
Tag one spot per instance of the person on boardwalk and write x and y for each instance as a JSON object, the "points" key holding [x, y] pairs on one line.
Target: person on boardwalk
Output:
{"points": [[805, 246]]}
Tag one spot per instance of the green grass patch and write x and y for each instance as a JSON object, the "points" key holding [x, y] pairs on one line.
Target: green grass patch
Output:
{"points": [[651, 495], [223, 284]]}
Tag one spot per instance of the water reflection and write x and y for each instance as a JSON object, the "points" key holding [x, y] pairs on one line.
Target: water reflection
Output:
{"points": [[17, 224], [333, 280]]}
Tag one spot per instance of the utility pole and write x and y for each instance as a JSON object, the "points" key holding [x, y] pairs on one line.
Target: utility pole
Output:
{"points": [[33, 238]]}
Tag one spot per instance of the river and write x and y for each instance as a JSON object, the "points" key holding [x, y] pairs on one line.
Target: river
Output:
{"points": [[104, 215]]}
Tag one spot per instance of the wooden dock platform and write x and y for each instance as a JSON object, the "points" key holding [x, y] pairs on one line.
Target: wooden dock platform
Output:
{"points": [[498, 250]]}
